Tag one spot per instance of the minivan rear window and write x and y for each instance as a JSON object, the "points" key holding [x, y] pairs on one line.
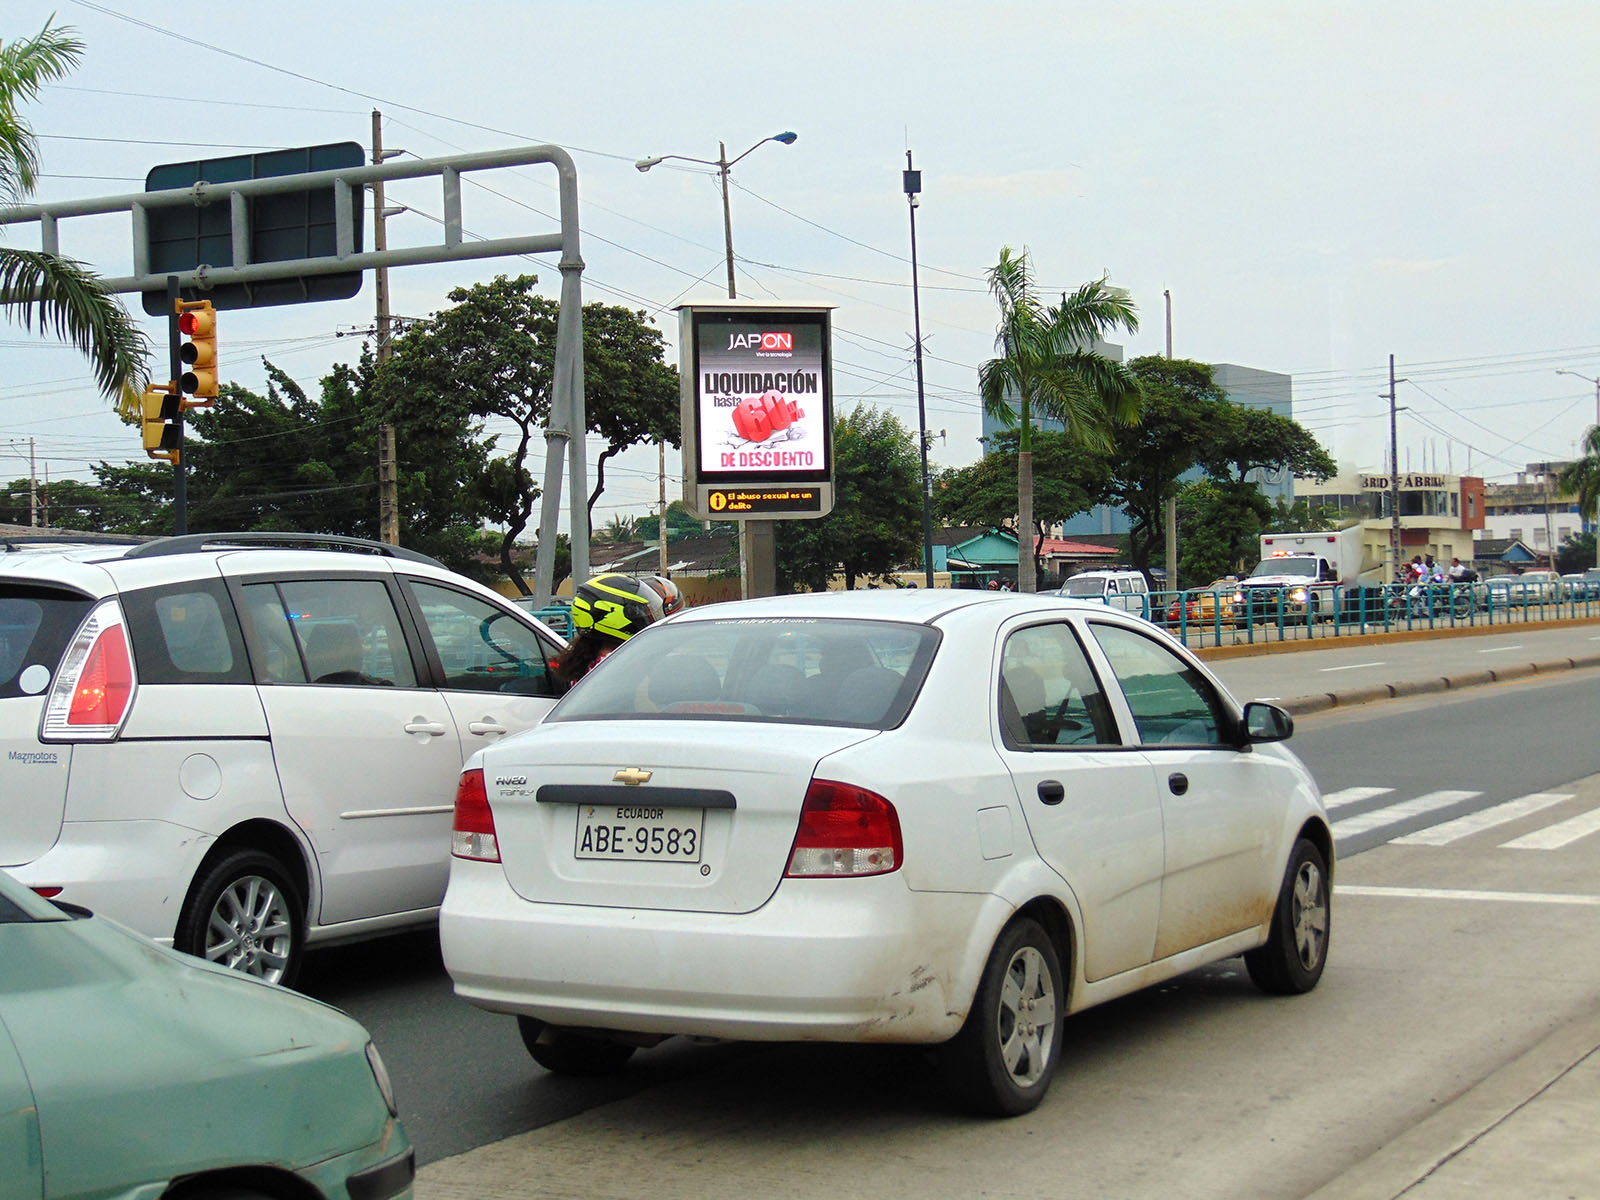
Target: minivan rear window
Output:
{"points": [[35, 626]]}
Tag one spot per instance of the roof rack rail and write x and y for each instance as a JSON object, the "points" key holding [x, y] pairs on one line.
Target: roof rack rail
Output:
{"points": [[12, 543], [194, 543]]}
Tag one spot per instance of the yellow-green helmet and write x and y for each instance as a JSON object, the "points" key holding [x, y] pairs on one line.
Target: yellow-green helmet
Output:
{"points": [[615, 605]]}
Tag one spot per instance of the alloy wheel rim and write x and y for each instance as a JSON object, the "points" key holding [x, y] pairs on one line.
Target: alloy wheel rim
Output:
{"points": [[1310, 915], [1026, 1021], [251, 929]]}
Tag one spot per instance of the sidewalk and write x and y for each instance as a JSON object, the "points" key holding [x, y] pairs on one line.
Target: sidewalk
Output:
{"points": [[1526, 1131]]}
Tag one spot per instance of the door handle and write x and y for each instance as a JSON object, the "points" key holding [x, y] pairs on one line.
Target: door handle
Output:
{"points": [[423, 725], [1051, 792], [1178, 782], [485, 727]]}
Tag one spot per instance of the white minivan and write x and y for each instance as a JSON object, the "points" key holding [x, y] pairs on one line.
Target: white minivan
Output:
{"points": [[242, 745], [1126, 590]]}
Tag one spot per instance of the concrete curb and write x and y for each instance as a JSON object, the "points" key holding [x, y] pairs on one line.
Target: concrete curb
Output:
{"points": [[1373, 693], [1484, 1118]]}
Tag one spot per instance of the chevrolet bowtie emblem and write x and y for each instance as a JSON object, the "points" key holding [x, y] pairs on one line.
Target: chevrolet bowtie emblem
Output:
{"points": [[632, 776]]}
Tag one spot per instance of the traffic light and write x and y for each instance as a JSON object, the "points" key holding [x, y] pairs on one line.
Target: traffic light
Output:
{"points": [[197, 321], [160, 407]]}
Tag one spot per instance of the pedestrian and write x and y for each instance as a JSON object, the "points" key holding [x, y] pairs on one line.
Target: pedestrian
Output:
{"points": [[609, 609]]}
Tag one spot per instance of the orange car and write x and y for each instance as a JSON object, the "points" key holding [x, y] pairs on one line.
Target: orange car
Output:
{"points": [[1202, 606]]}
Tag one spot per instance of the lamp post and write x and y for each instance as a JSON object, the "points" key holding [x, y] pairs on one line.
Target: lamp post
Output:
{"points": [[723, 164], [757, 555], [913, 186], [1596, 382]]}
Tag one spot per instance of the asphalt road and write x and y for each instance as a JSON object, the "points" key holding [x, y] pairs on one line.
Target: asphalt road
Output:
{"points": [[464, 1079]]}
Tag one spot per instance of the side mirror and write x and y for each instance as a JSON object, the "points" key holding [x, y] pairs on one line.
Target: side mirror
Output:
{"points": [[1265, 722]]}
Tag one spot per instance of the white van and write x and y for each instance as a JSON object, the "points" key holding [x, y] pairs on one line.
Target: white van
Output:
{"points": [[1126, 590], [241, 745]]}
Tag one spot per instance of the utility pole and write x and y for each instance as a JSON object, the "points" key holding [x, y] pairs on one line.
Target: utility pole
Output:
{"points": [[1394, 479], [33, 489], [913, 186], [661, 512], [1172, 501], [388, 472]]}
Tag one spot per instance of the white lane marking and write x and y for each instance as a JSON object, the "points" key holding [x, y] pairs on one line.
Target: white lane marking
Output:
{"points": [[1345, 889], [1488, 818], [1340, 799], [1395, 813], [1499, 649], [1351, 667], [1553, 837]]}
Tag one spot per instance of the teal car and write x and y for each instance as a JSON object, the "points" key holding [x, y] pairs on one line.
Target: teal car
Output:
{"points": [[128, 1070]]}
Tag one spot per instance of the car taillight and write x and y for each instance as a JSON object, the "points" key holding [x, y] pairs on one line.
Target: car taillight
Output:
{"points": [[93, 689], [844, 830], [472, 833]]}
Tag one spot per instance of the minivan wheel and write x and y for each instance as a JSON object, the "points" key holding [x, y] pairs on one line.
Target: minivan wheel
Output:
{"points": [[1006, 1053], [1291, 962], [244, 914], [565, 1052]]}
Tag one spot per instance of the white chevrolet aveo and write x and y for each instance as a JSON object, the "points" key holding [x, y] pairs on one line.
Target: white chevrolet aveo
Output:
{"points": [[937, 817]]}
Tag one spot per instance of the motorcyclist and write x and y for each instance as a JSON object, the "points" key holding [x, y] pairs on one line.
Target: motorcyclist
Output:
{"points": [[607, 610]]}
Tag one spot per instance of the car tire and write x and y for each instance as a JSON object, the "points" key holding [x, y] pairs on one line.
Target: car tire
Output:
{"points": [[1296, 949], [565, 1052], [1004, 1057], [243, 912]]}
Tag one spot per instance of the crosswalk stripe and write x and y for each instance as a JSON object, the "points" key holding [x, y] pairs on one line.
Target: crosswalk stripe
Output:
{"points": [[1393, 814], [1354, 795], [1553, 837], [1488, 818]]}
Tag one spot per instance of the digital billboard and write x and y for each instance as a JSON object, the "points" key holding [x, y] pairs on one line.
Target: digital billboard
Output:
{"points": [[758, 406]]}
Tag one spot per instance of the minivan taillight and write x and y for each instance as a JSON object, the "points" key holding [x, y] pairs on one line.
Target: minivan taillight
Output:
{"points": [[844, 831], [93, 689], [472, 833]]}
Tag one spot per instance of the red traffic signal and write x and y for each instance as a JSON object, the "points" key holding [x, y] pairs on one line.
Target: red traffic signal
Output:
{"points": [[197, 321]]}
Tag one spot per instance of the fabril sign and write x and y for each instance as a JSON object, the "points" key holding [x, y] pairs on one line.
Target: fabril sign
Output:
{"points": [[1382, 483], [757, 411]]}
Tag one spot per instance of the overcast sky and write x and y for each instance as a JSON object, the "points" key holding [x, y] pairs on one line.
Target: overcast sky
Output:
{"points": [[1318, 186]]}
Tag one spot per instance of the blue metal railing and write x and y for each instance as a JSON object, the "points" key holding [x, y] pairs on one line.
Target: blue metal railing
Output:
{"points": [[1247, 615]]}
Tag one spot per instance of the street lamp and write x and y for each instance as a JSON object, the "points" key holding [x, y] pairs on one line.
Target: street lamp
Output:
{"points": [[756, 552], [1596, 382], [723, 164]]}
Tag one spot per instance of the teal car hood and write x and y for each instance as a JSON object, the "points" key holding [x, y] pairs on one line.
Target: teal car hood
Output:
{"points": [[145, 1064]]}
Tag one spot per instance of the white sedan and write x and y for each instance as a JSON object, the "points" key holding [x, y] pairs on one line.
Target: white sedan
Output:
{"points": [[939, 817]]}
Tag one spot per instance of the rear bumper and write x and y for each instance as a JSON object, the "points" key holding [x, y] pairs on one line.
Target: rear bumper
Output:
{"points": [[135, 872], [848, 960]]}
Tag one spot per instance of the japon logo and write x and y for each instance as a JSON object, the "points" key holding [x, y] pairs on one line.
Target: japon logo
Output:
{"points": [[771, 343]]}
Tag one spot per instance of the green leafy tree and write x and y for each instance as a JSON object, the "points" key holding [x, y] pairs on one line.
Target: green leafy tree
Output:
{"points": [[876, 523], [1576, 554], [1219, 528], [1067, 480], [1252, 439], [60, 294], [288, 462], [680, 524], [1582, 478], [620, 528], [492, 355], [1046, 366], [1304, 517]]}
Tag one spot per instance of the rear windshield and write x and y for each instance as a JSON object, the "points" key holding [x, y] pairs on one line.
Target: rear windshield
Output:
{"points": [[35, 626], [863, 674], [1084, 587]]}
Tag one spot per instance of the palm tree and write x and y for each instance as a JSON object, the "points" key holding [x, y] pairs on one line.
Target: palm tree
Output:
{"points": [[62, 295], [1047, 364], [1582, 478]]}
